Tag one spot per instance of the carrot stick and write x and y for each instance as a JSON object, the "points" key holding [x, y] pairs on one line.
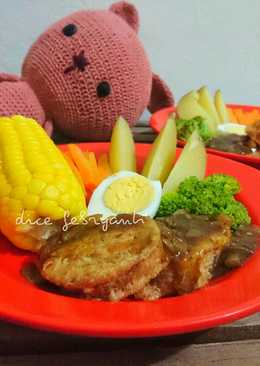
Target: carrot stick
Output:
{"points": [[75, 170], [253, 116], [240, 115], [93, 163], [232, 116], [83, 166], [103, 166]]}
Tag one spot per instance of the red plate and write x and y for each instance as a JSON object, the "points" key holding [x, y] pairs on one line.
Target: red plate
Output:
{"points": [[158, 120], [223, 300]]}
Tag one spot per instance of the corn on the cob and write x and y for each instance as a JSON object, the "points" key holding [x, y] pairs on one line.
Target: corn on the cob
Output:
{"points": [[35, 182]]}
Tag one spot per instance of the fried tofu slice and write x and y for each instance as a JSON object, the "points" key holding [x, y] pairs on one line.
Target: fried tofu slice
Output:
{"points": [[110, 262], [193, 244]]}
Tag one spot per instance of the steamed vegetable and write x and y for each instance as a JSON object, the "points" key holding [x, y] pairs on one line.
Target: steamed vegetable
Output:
{"points": [[104, 167], [206, 101], [189, 107], [88, 175], [162, 154], [86, 167], [231, 116], [75, 170], [244, 117], [212, 196], [185, 127], [192, 162], [122, 147], [221, 107], [36, 181]]}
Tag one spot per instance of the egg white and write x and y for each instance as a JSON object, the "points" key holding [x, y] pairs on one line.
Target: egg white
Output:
{"points": [[97, 206]]}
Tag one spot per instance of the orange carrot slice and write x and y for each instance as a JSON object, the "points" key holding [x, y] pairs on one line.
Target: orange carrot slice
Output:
{"points": [[91, 158], [103, 166], [232, 116], [253, 116], [83, 166], [75, 170], [240, 115], [94, 167]]}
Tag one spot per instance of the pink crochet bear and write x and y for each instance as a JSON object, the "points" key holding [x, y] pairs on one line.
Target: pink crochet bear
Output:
{"points": [[83, 72]]}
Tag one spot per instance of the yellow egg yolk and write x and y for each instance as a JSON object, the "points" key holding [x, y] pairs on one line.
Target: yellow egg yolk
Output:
{"points": [[129, 194]]}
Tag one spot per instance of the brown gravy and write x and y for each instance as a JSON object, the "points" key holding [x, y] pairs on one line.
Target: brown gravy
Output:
{"points": [[244, 243], [189, 230], [183, 231], [234, 144]]}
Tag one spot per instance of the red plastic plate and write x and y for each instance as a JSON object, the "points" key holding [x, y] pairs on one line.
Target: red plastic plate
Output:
{"points": [[158, 120], [223, 300]]}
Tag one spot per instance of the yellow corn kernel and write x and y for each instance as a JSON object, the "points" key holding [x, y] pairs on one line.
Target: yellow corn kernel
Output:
{"points": [[62, 185], [14, 205], [36, 186], [18, 192], [50, 193], [5, 189], [65, 201], [48, 208], [30, 201], [45, 177]]}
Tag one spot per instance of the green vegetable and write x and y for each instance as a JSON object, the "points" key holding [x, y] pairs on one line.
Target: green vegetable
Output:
{"points": [[186, 127], [212, 196]]}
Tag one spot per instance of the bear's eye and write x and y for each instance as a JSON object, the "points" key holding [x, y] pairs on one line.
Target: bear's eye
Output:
{"points": [[103, 89], [69, 30]]}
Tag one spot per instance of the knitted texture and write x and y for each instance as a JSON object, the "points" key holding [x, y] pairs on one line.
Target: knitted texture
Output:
{"points": [[65, 72], [83, 73], [16, 97]]}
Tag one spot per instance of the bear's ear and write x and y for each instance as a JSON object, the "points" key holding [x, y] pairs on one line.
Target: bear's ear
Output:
{"points": [[128, 12], [161, 95], [8, 77]]}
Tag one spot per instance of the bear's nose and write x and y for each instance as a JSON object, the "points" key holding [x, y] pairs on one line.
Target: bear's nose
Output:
{"points": [[79, 62]]}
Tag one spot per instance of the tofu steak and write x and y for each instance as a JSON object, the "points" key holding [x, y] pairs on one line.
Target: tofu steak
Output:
{"points": [[194, 244], [107, 264]]}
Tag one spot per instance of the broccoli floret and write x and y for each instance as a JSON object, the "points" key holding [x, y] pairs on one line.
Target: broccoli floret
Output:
{"points": [[186, 127], [223, 183], [238, 213], [168, 204], [211, 196]]}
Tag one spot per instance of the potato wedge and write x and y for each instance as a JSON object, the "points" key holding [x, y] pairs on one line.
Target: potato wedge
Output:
{"points": [[206, 101], [192, 162], [122, 147], [162, 154], [189, 107], [221, 107]]}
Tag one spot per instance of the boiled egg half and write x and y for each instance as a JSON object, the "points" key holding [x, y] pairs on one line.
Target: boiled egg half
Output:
{"points": [[125, 193], [233, 128]]}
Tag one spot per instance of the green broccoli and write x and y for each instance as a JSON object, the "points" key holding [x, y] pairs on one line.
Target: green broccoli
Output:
{"points": [[186, 127], [224, 183], [211, 196]]}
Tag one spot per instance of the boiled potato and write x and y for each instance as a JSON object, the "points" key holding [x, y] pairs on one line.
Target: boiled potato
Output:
{"points": [[189, 107], [122, 147], [162, 154], [206, 101], [221, 107], [192, 162]]}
